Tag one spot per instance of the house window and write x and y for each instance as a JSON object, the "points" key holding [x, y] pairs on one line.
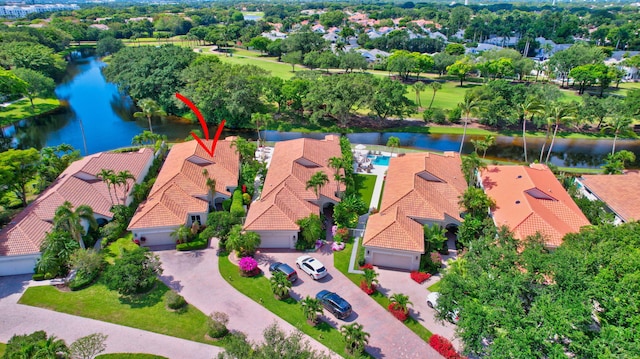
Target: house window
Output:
{"points": [[195, 219]]}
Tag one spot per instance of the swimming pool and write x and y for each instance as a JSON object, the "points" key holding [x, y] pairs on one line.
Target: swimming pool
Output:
{"points": [[380, 160]]}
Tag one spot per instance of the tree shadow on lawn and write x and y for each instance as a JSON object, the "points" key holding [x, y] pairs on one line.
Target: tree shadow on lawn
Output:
{"points": [[147, 299]]}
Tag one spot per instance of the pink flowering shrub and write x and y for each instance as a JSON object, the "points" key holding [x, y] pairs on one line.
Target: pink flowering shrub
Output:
{"points": [[247, 264]]}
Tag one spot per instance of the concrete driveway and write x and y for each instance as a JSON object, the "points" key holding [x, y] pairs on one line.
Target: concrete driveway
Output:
{"points": [[389, 337]]}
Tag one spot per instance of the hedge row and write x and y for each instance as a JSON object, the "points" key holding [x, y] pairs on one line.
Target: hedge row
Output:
{"points": [[237, 208]]}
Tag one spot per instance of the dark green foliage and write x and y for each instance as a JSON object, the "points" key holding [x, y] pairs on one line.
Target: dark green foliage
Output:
{"points": [[435, 115], [346, 213], [134, 272], [219, 224], [595, 211], [35, 345], [310, 231], [108, 45], [57, 248], [150, 72], [202, 242], [174, 300], [237, 209], [217, 324], [226, 205], [454, 115]]}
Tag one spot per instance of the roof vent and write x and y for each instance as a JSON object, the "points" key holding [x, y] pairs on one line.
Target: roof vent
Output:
{"points": [[519, 176], [518, 202]]}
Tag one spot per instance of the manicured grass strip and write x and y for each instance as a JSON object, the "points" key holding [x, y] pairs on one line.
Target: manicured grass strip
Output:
{"points": [[3, 348], [435, 287], [278, 69], [258, 289], [22, 109], [364, 184], [381, 194], [147, 312], [341, 262], [129, 356]]}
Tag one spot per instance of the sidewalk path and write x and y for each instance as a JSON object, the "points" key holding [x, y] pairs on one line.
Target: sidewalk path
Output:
{"points": [[196, 277], [23, 319]]}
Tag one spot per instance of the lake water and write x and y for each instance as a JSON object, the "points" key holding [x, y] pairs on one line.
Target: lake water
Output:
{"points": [[106, 115]]}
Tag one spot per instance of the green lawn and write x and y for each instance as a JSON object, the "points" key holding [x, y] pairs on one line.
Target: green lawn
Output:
{"points": [[258, 289], [129, 356], [3, 348], [279, 69], [147, 312], [22, 109], [435, 287], [364, 184], [115, 249], [341, 262]]}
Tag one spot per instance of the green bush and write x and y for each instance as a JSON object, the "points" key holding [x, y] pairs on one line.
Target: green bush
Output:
{"points": [[217, 324], [200, 243], [226, 205], [174, 300], [246, 199], [38, 276], [81, 282], [435, 115], [455, 114], [237, 208]]}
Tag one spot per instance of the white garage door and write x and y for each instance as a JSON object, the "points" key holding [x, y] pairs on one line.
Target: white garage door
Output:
{"points": [[275, 240], [12, 265], [157, 239], [391, 260]]}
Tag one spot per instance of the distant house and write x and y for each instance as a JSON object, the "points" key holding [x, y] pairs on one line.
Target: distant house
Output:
{"points": [[530, 200], [274, 35], [421, 188], [79, 184], [508, 41], [182, 194], [621, 193], [480, 48], [437, 35], [373, 55], [284, 199]]}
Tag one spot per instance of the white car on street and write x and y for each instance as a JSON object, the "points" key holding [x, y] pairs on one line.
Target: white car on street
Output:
{"points": [[311, 266], [432, 302]]}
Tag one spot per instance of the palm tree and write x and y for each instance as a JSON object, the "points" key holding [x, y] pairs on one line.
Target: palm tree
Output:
{"points": [[70, 221], [245, 149], [317, 181], [400, 302], [559, 113], [280, 285], [336, 163], [435, 86], [418, 87], [530, 106], [148, 109], [123, 178], [52, 348], [393, 142], [370, 277], [181, 234], [619, 126], [107, 176], [470, 164], [311, 307], [483, 144], [470, 105], [354, 337]]}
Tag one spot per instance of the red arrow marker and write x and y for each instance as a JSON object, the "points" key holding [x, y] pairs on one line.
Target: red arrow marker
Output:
{"points": [[203, 124]]}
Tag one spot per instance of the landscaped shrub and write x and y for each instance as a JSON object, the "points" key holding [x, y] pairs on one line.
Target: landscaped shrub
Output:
{"points": [[174, 300], [435, 115], [444, 347], [420, 277], [202, 242], [38, 276], [341, 235], [217, 324], [82, 281], [246, 199], [398, 313], [369, 289], [236, 204], [226, 205], [248, 267], [455, 114]]}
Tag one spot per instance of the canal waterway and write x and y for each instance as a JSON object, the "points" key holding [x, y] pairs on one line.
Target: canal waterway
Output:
{"points": [[101, 116]]}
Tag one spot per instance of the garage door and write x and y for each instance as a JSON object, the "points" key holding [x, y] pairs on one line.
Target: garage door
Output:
{"points": [[275, 240], [391, 260], [157, 239]]}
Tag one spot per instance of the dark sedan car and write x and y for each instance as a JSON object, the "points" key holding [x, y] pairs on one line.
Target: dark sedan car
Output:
{"points": [[291, 273], [334, 303]]}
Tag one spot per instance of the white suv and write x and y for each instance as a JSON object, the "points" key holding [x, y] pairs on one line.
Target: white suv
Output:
{"points": [[432, 302], [312, 267]]}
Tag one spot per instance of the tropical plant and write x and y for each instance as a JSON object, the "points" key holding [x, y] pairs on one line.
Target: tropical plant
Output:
{"points": [[122, 178], [470, 164], [393, 142], [317, 181], [355, 338], [135, 271], [530, 106], [57, 249], [400, 302], [69, 220], [484, 144], [217, 325], [280, 285], [434, 237], [469, 106], [435, 86], [418, 87], [370, 277], [245, 148], [182, 234], [108, 177], [559, 113], [619, 126], [148, 109], [310, 230], [615, 163], [243, 242], [336, 163], [311, 308]]}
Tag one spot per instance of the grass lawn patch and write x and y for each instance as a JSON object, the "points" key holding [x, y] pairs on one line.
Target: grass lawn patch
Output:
{"points": [[258, 289], [341, 262], [435, 287], [278, 69], [364, 184], [22, 109], [129, 356], [114, 249], [3, 348], [146, 312]]}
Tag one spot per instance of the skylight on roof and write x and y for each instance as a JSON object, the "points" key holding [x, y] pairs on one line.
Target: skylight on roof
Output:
{"points": [[538, 194], [429, 177]]}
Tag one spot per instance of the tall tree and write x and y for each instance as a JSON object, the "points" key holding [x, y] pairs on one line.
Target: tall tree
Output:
{"points": [[470, 105], [435, 86], [529, 107], [148, 109], [317, 181], [418, 87], [71, 221], [619, 126], [17, 168], [108, 177], [38, 85], [559, 113]]}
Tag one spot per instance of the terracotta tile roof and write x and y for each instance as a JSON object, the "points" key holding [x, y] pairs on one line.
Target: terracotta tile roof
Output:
{"points": [[79, 185], [181, 186], [424, 186], [530, 199], [284, 198], [620, 192], [393, 229]]}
